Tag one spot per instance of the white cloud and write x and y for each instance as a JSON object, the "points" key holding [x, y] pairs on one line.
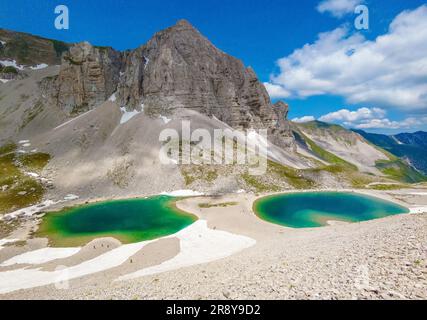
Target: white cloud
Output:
{"points": [[345, 115], [338, 8], [388, 124], [304, 119], [366, 118], [276, 91], [390, 71]]}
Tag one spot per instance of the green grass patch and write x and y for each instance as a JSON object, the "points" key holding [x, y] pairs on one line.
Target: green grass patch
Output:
{"points": [[9, 69], [293, 176], [34, 161], [192, 174], [18, 190], [326, 155], [256, 183], [399, 171], [386, 187]]}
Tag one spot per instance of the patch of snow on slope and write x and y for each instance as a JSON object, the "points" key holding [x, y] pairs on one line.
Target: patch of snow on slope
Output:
{"points": [[11, 63], [29, 211], [198, 244], [70, 197], [182, 193], [112, 98], [6, 241], [32, 174], [418, 209], [146, 62], [29, 278], [41, 256], [127, 115], [165, 119], [4, 80], [39, 66]]}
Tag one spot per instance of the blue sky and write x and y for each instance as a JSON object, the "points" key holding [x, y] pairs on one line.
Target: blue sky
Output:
{"points": [[260, 33]]}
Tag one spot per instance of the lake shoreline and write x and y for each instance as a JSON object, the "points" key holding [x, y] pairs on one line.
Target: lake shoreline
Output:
{"points": [[277, 249]]}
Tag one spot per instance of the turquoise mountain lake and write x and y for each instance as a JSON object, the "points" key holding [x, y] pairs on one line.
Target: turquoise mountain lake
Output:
{"points": [[315, 209], [129, 221]]}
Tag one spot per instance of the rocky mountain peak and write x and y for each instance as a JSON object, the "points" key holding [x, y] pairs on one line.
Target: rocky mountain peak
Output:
{"points": [[178, 68]]}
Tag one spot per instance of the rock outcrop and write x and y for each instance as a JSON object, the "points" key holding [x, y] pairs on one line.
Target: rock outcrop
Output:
{"points": [[88, 76]]}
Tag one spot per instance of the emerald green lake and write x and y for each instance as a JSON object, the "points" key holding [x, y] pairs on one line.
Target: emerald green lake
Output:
{"points": [[315, 209], [130, 220]]}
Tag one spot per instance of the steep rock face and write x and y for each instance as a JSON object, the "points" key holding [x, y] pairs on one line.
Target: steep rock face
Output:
{"points": [[280, 129], [88, 76], [180, 68]]}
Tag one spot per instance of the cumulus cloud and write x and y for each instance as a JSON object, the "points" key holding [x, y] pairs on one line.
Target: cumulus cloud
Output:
{"points": [[276, 91], [304, 119], [390, 71], [345, 115], [338, 8], [385, 123], [366, 118]]}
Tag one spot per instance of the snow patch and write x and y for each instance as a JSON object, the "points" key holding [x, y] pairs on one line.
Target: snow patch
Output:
{"points": [[198, 244], [23, 141], [112, 98], [418, 209], [6, 241], [146, 62], [11, 63], [127, 115], [39, 66], [32, 174], [4, 80], [182, 193], [41, 256], [70, 197], [29, 278], [165, 119], [28, 211]]}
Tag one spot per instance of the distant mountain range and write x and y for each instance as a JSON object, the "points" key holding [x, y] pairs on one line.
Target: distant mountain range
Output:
{"points": [[409, 146]]}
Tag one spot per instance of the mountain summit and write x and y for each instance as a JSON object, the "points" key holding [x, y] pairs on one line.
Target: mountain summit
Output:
{"points": [[177, 68]]}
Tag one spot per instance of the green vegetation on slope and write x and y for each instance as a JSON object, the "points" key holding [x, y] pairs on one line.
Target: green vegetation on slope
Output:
{"points": [[256, 183], [8, 69], [193, 173], [326, 155], [293, 176], [398, 170], [18, 190]]}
